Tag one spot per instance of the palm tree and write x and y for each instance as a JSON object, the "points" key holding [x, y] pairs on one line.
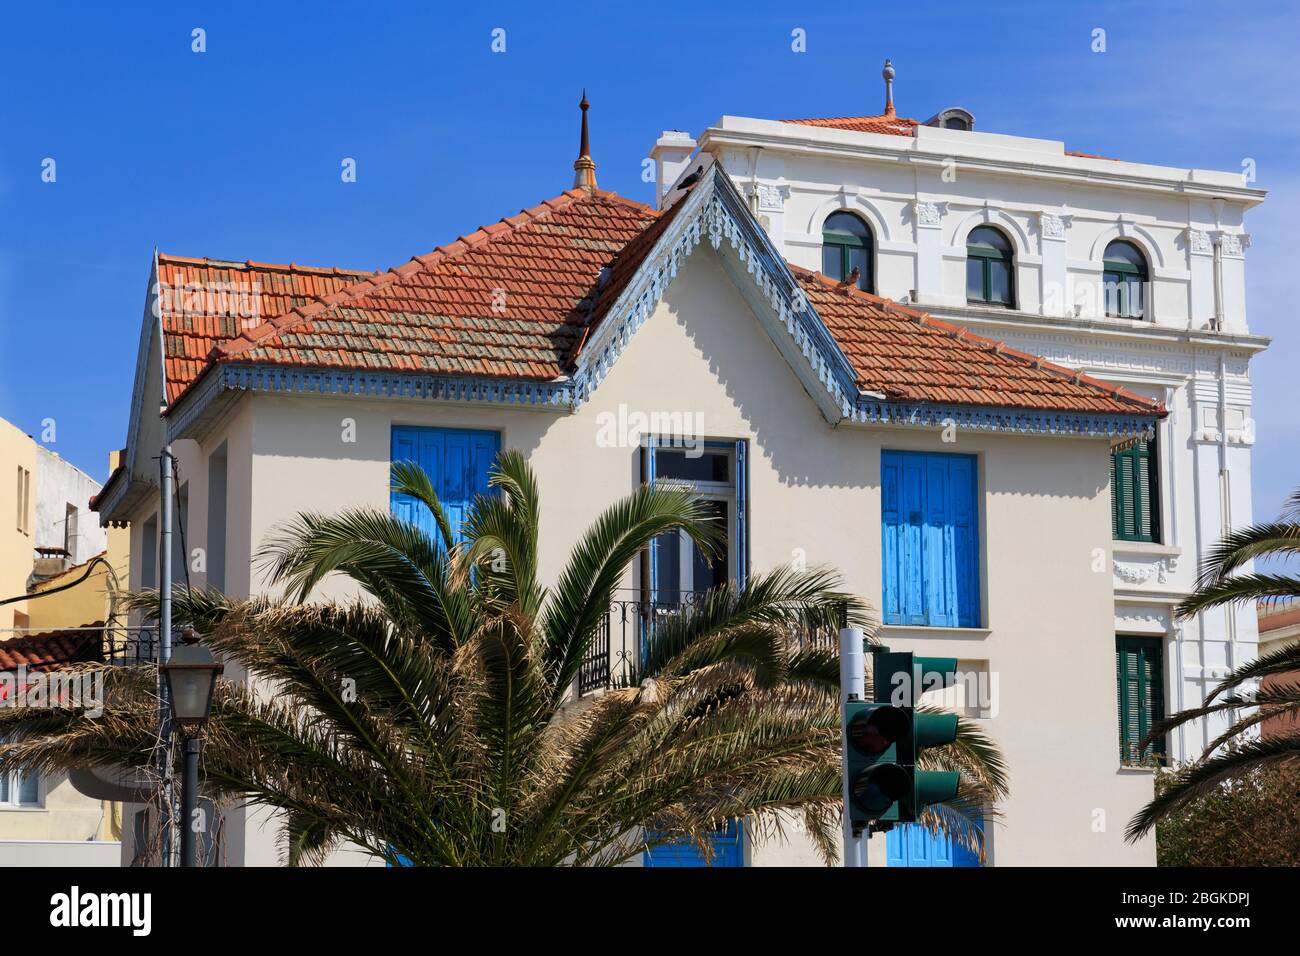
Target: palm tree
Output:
{"points": [[434, 717], [1238, 751]]}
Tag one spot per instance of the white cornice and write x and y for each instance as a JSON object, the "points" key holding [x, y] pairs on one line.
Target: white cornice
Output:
{"points": [[1039, 163]]}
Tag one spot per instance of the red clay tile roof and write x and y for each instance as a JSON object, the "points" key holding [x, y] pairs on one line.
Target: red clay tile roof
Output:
{"points": [[511, 299], [886, 123], [516, 299], [1273, 617], [911, 356], [205, 302], [52, 650]]}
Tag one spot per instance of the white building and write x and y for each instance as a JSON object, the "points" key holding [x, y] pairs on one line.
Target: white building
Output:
{"points": [[1040, 247], [841, 428]]}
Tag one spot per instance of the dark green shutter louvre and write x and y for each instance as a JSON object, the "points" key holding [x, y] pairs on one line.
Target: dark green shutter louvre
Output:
{"points": [[1139, 666], [1135, 502]]}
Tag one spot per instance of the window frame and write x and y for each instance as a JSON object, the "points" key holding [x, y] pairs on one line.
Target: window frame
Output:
{"points": [[845, 243], [1152, 454], [986, 258], [14, 801], [1159, 748], [1120, 269]]}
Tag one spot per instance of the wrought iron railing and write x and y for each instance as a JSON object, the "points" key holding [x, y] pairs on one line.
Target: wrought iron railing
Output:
{"points": [[124, 647], [629, 626]]}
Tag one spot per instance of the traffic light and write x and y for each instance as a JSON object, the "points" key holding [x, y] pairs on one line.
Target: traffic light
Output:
{"points": [[877, 778], [884, 738]]}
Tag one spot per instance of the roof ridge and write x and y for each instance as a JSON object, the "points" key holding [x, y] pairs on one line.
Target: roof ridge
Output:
{"points": [[259, 335], [848, 119], [251, 264], [998, 346]]}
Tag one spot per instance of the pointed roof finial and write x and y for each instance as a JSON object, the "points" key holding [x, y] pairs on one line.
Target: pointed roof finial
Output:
{"points": [[584, 167], [888, 74]]}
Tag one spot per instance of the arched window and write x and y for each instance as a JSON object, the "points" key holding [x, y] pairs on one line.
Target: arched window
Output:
{"points": [[989, 276], [846, 242], [1123, 280]]}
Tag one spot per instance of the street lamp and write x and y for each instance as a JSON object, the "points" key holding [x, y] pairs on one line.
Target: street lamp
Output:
{"points": [[191, 676]]}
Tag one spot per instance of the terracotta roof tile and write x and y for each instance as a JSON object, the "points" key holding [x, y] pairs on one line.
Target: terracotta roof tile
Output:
{"points": [[885, 123], [908, 355], [52, 650], [204, 302], [510, 299]]}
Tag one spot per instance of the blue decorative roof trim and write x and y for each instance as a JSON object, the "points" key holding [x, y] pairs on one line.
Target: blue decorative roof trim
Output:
{"points": [[715, 205], [1012, 420], [279, 379]]}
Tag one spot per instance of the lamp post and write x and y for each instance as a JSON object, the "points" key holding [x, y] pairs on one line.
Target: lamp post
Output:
{"points": [[191, 679]]}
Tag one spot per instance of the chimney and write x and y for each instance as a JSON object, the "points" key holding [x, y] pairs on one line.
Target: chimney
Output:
{"points": [[584, 167], [671, 155]]}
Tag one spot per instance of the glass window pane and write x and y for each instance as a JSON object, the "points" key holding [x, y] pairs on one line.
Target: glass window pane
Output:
{"points": [[845, 223], [668, 567], [1134, 297], [832, 262], [29, 788], [1000, 282], [1124, 254], [858, 257], [710, 572], [1110, 283], [4, 787], [975, 279], [679, 465], [990, 240]]}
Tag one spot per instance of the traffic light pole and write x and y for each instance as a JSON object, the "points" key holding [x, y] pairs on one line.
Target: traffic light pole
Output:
{"points": [[852, 687]]}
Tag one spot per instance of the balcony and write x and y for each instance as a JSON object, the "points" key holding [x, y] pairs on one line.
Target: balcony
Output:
{"points": [[628, 627]]}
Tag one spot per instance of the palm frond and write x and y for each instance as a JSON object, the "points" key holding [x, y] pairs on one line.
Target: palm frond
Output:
{"points": [[1198, 779]]}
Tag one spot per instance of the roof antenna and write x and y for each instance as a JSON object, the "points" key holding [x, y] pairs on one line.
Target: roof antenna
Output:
{"points": [[888, 74], [584, 167]]}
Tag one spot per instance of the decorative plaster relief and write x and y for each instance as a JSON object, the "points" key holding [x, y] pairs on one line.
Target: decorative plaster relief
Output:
{"points": [[1140, 572], [1053, 226], [930, 214]]}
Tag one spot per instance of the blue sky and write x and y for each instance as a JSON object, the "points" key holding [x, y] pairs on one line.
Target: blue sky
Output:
{"points": [[235, 152]]}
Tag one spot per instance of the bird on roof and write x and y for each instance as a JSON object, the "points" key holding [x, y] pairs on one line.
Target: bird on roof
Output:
{"points": [[692, 179], [851, 279]]}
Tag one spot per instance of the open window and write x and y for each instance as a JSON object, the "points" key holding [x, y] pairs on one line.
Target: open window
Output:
{"points": [[678, 571], [847, 245]]}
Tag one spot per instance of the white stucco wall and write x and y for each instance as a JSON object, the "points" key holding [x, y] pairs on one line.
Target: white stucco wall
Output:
{"points": [[58, 484]]}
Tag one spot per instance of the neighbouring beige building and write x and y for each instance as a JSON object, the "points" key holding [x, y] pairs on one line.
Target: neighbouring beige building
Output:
{"points": [[67, 571], [961, 487]]}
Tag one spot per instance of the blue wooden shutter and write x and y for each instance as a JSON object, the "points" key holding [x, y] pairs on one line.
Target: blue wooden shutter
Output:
{"points": [[913, 540], [891, 532], [939, 550], [963, 516], [458, 462], [929, 539]]}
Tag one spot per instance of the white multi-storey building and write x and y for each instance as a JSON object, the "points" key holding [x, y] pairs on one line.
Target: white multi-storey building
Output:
{"points": [[1130, 272]]}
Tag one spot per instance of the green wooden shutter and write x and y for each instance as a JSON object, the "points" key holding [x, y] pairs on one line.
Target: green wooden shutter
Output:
{"points": [[1134, 486], [1140, 693]]}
